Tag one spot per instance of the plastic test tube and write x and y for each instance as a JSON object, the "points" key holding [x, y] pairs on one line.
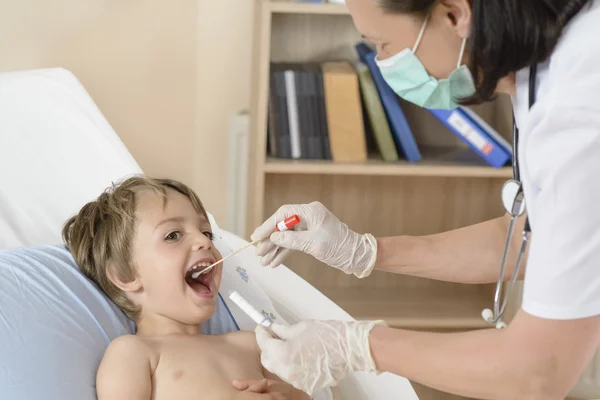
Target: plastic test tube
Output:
{"points": [[287, 223], [250, 310]]}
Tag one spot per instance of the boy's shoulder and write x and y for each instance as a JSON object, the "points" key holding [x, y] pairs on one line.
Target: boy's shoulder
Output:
{"points": [[123, 342], [128, 348], [125, 369]]}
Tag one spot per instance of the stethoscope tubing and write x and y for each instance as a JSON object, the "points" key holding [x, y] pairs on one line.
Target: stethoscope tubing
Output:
{"points": [[495, 317]]}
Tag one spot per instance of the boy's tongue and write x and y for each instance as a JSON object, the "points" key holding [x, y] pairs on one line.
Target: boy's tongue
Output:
{"points": [[200, 284], [200, 288]]}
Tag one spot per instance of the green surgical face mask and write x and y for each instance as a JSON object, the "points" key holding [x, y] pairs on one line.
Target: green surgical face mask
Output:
{"points": [[407, 77]]}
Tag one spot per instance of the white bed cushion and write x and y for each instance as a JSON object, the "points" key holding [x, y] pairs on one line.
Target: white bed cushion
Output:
{"points": [[57, 152]]}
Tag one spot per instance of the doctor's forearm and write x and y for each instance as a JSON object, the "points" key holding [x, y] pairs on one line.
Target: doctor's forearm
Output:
{"points": [[470, 254], [478, 364]]}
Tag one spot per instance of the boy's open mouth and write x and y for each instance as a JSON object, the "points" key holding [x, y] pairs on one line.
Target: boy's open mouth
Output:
{"points": [[202, 284]]}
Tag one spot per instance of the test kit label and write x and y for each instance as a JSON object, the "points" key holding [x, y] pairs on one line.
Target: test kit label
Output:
{"points": [[468, 132]]}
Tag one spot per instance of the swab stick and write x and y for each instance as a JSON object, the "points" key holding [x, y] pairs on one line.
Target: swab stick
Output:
{"points": [[282, 226]]}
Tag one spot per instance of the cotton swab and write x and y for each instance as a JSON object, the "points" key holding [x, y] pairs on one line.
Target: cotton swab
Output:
{"points": [[281, 226]]}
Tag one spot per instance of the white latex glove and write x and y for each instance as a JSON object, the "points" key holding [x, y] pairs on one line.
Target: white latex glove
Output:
{"points": [[313, 355], [320, 234]]}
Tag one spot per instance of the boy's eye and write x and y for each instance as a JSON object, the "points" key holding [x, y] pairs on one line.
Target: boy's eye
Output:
{"points": [[209, 235], [173, 236]]}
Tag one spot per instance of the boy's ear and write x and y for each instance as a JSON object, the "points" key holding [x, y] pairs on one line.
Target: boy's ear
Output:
{"points": [[130, 286]]}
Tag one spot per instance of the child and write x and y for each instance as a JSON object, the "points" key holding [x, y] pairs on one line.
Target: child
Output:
{"points": [[141, 242]]}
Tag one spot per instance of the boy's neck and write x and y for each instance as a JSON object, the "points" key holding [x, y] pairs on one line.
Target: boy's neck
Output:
{"points": [[155, 325]]}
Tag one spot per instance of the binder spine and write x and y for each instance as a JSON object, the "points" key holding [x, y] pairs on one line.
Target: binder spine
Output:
{"points": [[480, 141]]}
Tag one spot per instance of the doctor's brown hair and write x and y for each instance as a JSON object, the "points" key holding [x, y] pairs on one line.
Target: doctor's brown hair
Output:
{"points": [[100, 237], [506, 35]]}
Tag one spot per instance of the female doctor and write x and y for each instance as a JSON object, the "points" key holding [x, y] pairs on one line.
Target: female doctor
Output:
{"points": [[437, 54]]}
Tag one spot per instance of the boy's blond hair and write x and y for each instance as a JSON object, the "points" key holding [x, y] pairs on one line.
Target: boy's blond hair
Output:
{"points": [[100, 237]]}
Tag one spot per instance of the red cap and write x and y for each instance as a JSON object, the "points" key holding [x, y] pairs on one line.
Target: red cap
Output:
{"points": [[292, 221], [288, 223]]}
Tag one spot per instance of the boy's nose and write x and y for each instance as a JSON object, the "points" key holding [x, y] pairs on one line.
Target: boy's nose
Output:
{"points": [[202, 242]]}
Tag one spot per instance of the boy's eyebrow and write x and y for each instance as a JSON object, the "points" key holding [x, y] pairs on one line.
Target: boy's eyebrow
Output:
{"points": [[174, 219], [178, 219]]}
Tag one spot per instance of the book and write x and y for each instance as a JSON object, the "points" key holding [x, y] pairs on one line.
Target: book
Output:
{"points": [[477, 134], [344, 112], [403, 135], [376, 114]]}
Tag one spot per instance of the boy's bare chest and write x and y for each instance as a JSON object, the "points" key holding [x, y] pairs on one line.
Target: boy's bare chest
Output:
{"points": [[204, 370]]}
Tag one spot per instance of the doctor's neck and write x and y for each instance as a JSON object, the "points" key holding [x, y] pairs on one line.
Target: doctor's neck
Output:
{"points": [[507, 85]]}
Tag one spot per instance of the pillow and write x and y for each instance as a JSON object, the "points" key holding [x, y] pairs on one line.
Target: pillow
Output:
{"points": [[55, 325]]}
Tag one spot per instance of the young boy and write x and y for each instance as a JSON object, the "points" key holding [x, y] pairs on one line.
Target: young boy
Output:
{"points": [[141, 242]]}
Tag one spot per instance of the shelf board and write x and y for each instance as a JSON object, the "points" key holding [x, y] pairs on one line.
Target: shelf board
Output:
{"points": [[415, 308], [434, 168], [288, 7]]}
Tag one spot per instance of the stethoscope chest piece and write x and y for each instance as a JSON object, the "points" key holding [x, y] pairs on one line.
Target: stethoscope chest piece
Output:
{"points": [[513, 198]]}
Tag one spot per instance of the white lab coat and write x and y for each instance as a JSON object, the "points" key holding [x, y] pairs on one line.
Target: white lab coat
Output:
{"points": [[559, 155]]}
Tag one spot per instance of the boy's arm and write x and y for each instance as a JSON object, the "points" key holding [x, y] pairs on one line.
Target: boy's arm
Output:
{"points": [[125, 371], [257, 390], [294, 394], [268, 388]]}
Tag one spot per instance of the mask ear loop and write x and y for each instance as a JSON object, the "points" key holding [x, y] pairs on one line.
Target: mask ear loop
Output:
{"points": [[462, 52], [414, 49]]}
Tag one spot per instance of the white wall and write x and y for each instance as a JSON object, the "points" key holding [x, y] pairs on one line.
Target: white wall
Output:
{"points": [[224, 69]]}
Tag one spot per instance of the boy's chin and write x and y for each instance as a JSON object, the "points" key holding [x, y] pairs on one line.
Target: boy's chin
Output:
{"points": [[202, 313]]}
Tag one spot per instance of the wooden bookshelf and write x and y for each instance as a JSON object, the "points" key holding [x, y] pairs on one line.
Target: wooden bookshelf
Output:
{"points": [[448, 189], [377, 167]]}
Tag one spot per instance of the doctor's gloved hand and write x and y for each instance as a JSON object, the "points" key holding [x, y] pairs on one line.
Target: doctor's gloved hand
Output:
{"points": [[320, 234], [313, 355]]}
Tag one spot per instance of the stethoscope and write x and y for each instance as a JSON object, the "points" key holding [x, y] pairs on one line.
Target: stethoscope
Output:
{"points": [[513, 200]]}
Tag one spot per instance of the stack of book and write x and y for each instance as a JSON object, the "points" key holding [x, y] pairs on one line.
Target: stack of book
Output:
{"points": [[340, 111]]}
